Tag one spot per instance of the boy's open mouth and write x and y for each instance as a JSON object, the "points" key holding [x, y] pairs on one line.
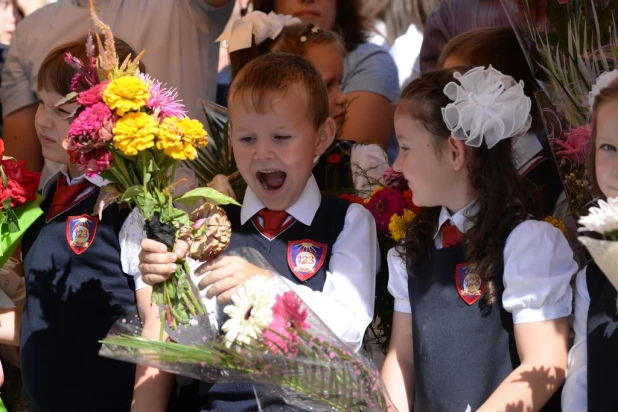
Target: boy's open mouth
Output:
{"points": [[271, 179]]}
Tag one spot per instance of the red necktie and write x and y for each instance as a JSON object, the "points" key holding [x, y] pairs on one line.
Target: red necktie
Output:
{"points": [[273, 221], [65, 196], [451, 236]]}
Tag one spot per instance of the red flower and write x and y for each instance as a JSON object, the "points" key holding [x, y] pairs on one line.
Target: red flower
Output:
{"points": [[352, 198], [408, 195], [334, 158], [384, 204], [1, 148], [22, 183]]}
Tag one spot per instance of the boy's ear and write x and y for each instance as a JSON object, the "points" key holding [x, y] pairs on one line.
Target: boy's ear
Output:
{"points": [[456, 153], [326, 135]]}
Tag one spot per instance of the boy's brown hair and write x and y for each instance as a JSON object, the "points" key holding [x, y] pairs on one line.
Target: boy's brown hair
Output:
{"points": [[607, 95], [280, 73], [55, 74]]}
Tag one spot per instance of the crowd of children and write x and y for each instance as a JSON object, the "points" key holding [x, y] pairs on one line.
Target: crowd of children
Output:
{"points": [[482, 284]]}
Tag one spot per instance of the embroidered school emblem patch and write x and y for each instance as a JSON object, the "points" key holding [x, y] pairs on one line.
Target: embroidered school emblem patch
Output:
{"points": [[80, 232], [469, 283], [306, 257]]}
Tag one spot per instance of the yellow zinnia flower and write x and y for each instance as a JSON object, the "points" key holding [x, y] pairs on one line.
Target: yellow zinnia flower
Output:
{"points": [[178, 138], [556, 223], [399, 224], [125, 94], [134, 132]]}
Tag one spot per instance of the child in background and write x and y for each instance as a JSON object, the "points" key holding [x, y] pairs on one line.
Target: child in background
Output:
{"points": [[481, 287], [593, 360], [346, 166], [499, 47], [75, 287], [278, 107]]}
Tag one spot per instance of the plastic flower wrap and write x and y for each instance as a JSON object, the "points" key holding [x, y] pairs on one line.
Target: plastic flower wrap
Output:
{"points": [[604, 221], [19, 202], [130, 130], [267, 335]]}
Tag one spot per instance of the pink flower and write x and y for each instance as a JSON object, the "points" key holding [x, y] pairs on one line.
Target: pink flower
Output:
{"points": [[92, 128], [395, 179], [92, 162], [384, 204], [93, 95], [575, 145], [166, 100], [289, 317]]}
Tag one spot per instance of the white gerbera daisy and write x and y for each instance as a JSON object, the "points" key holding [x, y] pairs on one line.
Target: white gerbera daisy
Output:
{"points": [[602, 219], [251, 311]]}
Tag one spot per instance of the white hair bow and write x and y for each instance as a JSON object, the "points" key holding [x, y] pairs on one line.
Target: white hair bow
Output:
{"points": [[487, 105], [263, 26], [603, 81]]}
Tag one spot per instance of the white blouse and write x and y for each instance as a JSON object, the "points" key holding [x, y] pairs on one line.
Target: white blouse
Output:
{"points": [[538, 267]]}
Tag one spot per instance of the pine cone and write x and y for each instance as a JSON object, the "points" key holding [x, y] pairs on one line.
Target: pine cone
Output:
{"points": [[210, 233]]}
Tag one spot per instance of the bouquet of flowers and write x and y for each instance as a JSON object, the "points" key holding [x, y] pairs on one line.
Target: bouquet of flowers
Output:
{"points": [[393, 210], [130, 130], [268, 336], [569, 43], [19, 202], [603, 220]]}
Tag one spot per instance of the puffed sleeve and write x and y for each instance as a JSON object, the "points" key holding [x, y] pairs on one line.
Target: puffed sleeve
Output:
{"points": [[575, 391], [130, 238], [368, 162], [538, 267], [398, 281]]}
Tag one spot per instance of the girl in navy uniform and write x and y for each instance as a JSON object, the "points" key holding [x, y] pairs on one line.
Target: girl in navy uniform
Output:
{"points": [[481, 286], [593, 360], [75, 286]]}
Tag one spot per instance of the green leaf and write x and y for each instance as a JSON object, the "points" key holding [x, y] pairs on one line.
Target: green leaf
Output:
{"points": [[66, 99], [146, 165], [131, 194], [193, 196], [146, 204], [12, 221]]}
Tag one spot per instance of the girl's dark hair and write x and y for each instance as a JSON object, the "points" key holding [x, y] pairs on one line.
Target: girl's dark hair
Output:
{"points": [[349, 22], [288, 41], [607, 95], [498, 46], [502, 198]]}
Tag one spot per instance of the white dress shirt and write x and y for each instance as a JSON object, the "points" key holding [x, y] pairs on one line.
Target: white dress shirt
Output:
{"points": [[538, 267], [575, 391], [346, 301], [178, 36]]}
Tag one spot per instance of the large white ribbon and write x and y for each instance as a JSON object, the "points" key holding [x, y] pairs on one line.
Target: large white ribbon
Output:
{"points": [[263, 26]]}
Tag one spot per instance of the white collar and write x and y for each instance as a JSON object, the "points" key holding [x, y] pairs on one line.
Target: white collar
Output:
{"points": [[460, 219], [96, 180], [303, 210]]}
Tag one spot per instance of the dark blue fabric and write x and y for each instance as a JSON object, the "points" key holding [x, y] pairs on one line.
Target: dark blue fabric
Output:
{"points": [[71, 303], [602, 342], [325, 228], [462, 352]]}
